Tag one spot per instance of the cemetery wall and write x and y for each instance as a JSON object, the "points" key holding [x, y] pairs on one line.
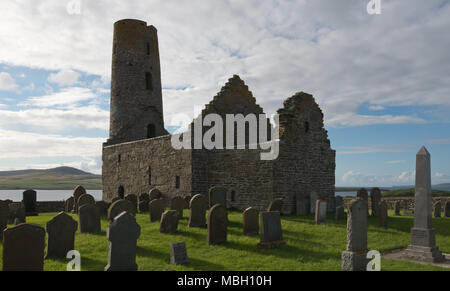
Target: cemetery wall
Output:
{"points": [[404, 201]]}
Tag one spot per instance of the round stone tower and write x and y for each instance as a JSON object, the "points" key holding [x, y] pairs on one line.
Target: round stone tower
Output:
{"points": [[136, 94]]}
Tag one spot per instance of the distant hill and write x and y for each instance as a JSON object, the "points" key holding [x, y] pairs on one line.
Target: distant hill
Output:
{"points": [[410, 193], [61, 178]]}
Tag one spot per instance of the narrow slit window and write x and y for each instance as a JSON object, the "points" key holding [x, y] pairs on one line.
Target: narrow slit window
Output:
{"points": [[121, 192], [148, 81], [306, 127], [151, 132], [177, 182], [149, 175], [233, 196], [148, 49]]}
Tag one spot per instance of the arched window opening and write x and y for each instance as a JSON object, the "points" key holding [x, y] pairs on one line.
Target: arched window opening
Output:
{"points": [[121, 192]]}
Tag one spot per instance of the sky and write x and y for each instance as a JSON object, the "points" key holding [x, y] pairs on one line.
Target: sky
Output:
{"points": [[382, 80]]}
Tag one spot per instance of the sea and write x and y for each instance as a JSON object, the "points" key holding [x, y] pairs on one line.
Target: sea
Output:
{"points": [[61, 195], [46, 195]]}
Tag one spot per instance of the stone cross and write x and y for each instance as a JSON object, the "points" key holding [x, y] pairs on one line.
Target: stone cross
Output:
{"points": [[437, 209], [120, 206], [29, 201], [169, 222], [198, 207], [375, 197], [61, 235], [251, 221], [89, 217], [217, 225], [156, 209], [23, 248], [354, 258], [122, 234], [178, 253], [423, 236], [383, 214], [218, 195], [275, 205], [270, 232], [321, 212], [177, 204]]}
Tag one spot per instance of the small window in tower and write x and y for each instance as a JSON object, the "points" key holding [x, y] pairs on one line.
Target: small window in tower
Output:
{"points": [[233, 196], [148, 49], [121, 193], [149, 175], [306, 126], [119, 158], [177, 182], [148, 81], [151, 132]]}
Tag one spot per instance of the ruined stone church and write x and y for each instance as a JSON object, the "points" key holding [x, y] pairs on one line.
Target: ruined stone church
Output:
{"points": [[139, 156]]}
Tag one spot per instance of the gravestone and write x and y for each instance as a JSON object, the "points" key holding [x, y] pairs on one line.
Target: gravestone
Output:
{"points": [[270, 232], [275, 205], [354, 258], [23, 248], [217, 195], [134, 200], [77, 192], [177, 204], [115, 199], [437, 209], [61, 235], [375, 197], [4, 213], [397, 208], [312, 202], [155, 194], [89, 217], [301, 204], [251, 221], [17, 221], [198, 207], [120, 206], [187, 202], [29, 202], [338, 201], [156, 209], [144, 200], [169, 222], [217, 225], [447, 209], [340, 213], [321, 212], [68, 204], [85, 199], [122, 234], [383, 213], [178, 253], [423, 242], [102, 208]]}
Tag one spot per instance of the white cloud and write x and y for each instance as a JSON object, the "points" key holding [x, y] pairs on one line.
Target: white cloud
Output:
{"points": [[357, 150], [40, 119], [332, 49], [64, 77], [355, 178], [376, 107], [7, 82], [65, 98]]}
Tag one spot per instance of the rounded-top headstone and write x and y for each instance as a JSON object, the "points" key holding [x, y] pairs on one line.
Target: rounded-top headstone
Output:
{"points": [[155, 194], [29, 201], [68, 204], [120, 206], [217, 195], [177, 203], [198, 207], [217, 225], [78, 191], [85, 199], [251, 221]]}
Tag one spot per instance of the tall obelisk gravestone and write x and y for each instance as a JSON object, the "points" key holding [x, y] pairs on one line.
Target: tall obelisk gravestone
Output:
{"points": [[423, 245]]}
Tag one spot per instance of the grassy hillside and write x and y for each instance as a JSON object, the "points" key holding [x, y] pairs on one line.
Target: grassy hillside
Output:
{"points": [[308, 246], [61, 178], [410, 193]]}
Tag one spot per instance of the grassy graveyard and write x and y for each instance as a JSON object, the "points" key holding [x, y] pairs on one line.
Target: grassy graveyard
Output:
{"points": [[309, 246]]}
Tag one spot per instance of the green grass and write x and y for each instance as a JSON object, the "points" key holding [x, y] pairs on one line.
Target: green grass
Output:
{"points": [[309, 246], [410, 193]]}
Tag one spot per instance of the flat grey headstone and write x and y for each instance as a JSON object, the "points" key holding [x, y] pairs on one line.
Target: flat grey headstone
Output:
{"points": [[321, 212], [122, 234], [270, 232], [312, 201], [178, 253]]}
